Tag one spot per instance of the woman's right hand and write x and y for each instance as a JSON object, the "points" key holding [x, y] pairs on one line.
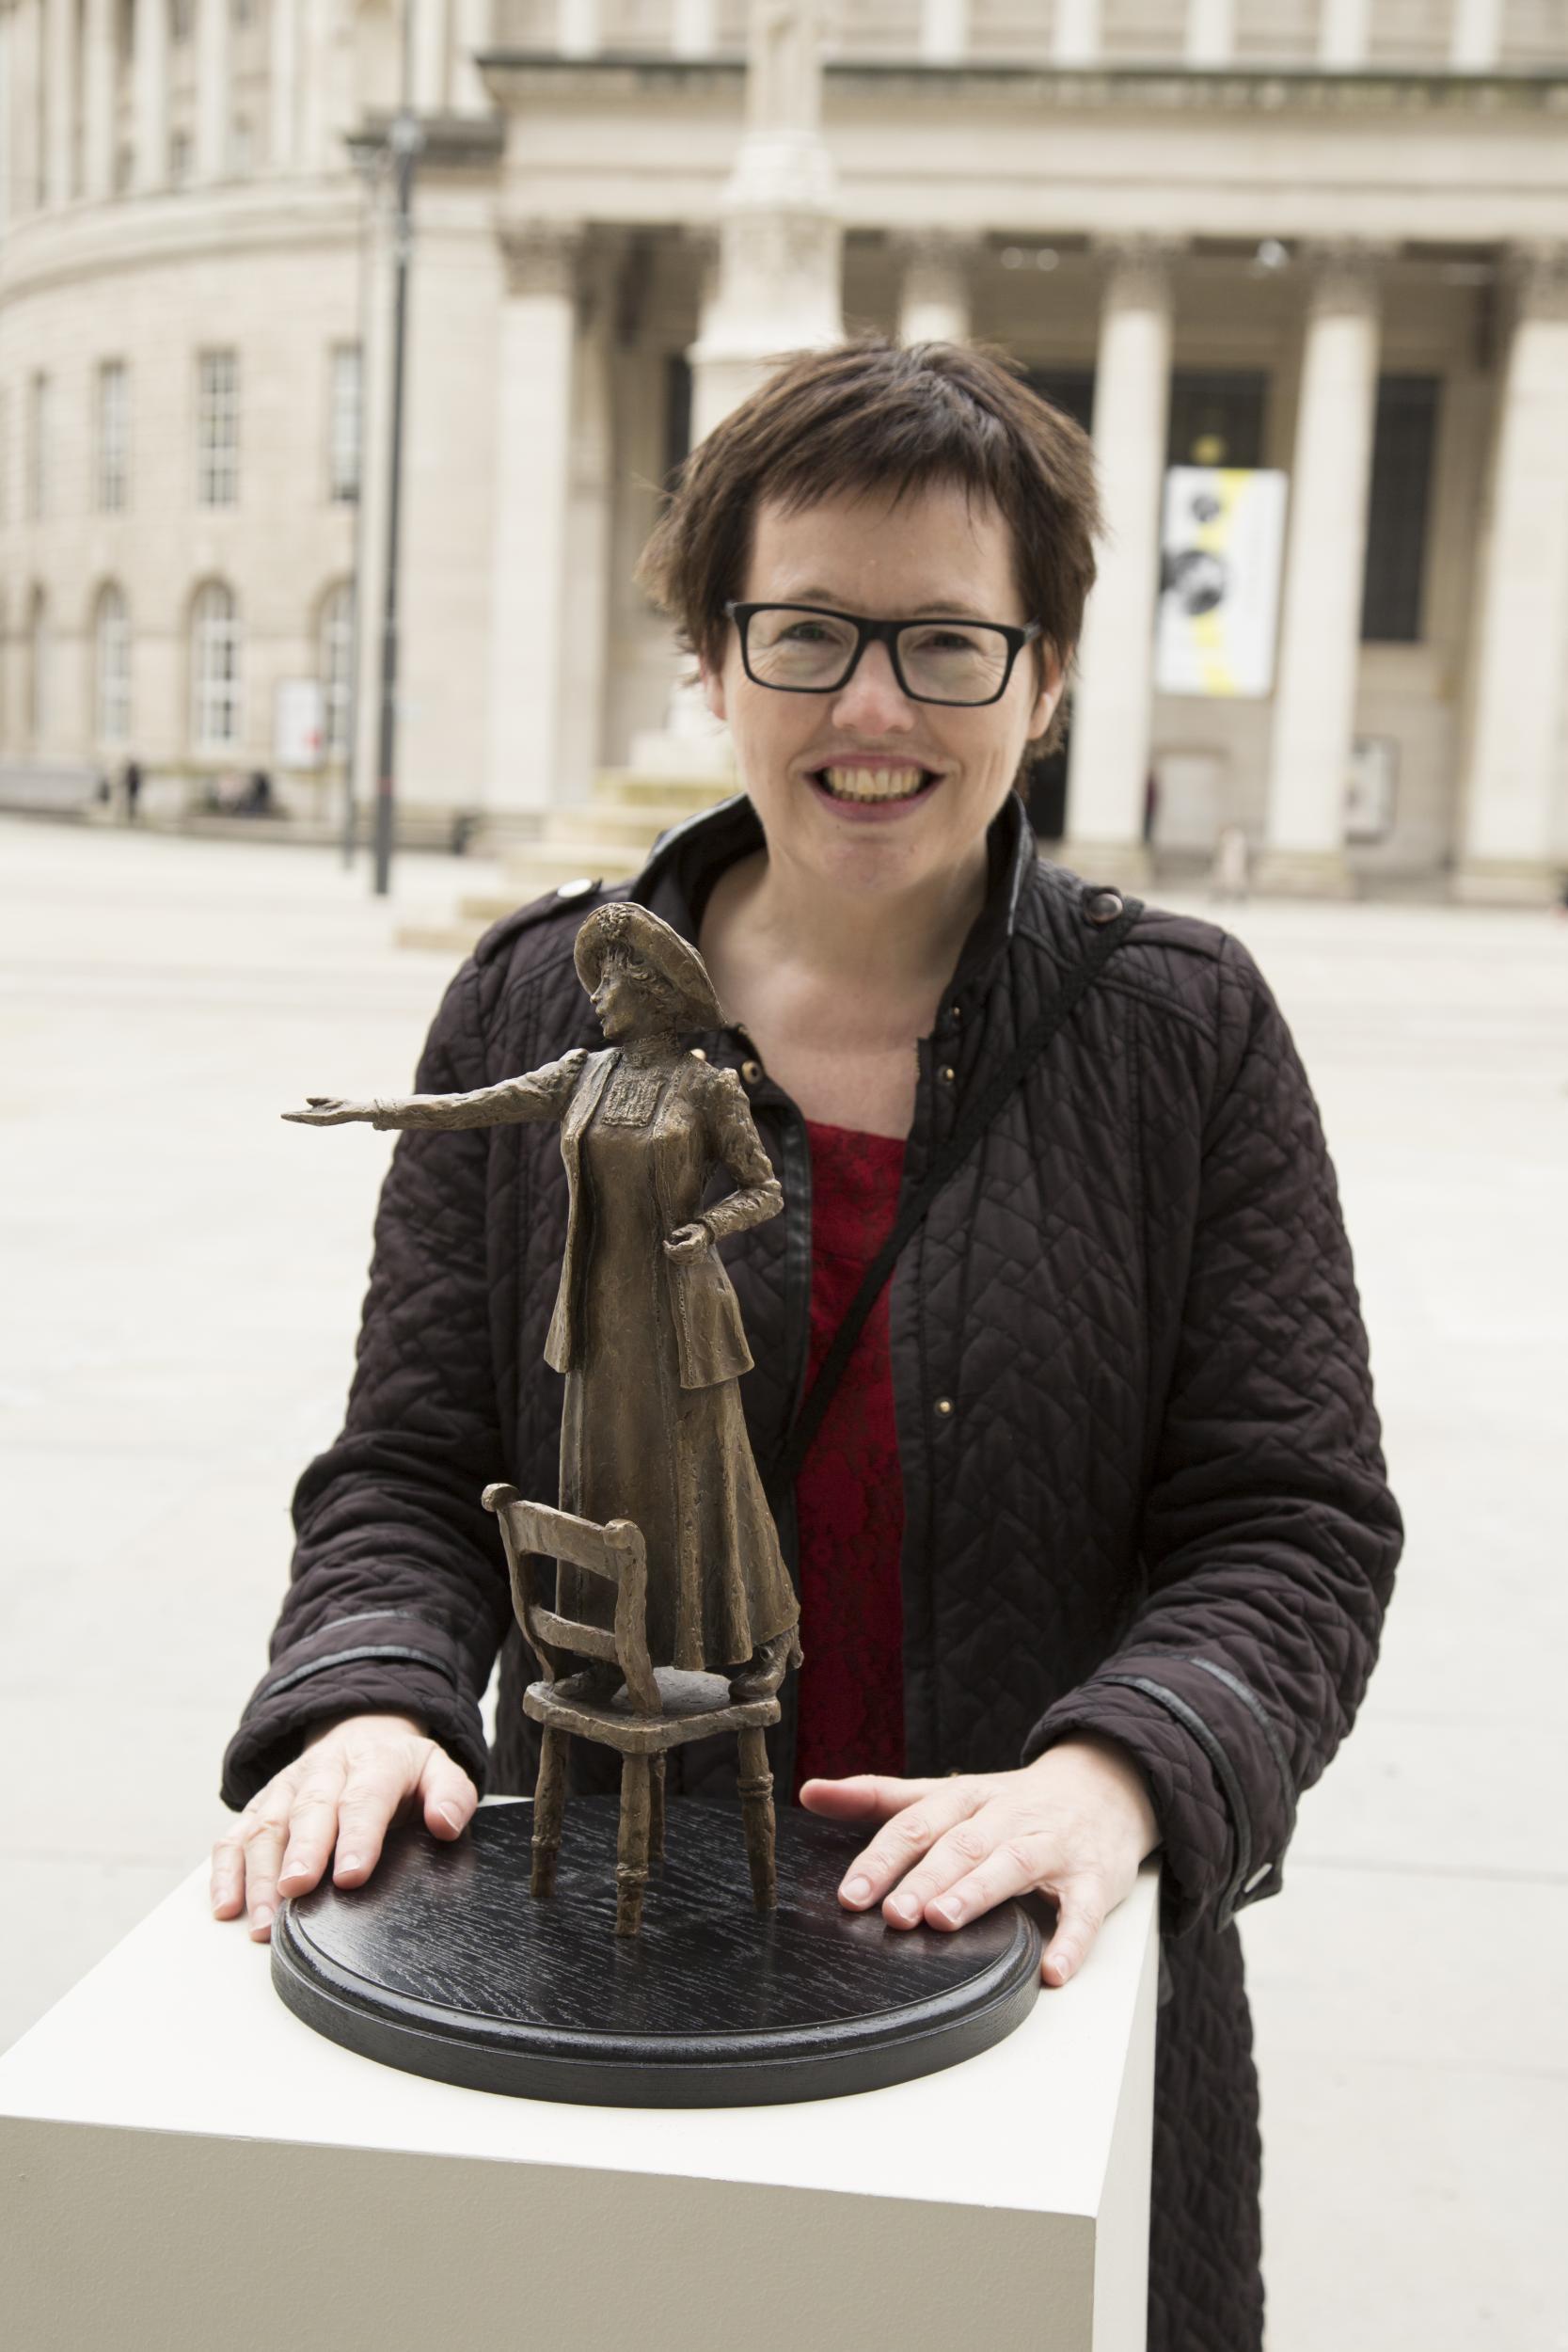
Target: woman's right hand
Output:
{"points": [[342, 1792], [329, 1110]]}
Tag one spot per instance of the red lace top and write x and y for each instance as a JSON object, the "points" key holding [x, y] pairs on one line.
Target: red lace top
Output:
{"points": [[850, 1494]]}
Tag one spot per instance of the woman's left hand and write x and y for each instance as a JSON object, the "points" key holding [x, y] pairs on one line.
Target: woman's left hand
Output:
{"points": [[1075, 1825], [686, 1243]]}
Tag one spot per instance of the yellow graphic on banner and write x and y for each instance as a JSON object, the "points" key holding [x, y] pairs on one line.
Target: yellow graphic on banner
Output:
{"points": [[1214, 537]]}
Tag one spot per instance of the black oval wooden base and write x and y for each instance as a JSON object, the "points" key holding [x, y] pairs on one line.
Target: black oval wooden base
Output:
{"points": [[444, 1964]]}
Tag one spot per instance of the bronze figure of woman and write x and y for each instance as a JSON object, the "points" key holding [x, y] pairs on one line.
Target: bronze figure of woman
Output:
{"points": [[647, 1327]]}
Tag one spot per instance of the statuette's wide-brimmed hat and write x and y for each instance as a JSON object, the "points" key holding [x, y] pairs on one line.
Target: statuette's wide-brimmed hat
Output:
{"points": [[632, 930]]}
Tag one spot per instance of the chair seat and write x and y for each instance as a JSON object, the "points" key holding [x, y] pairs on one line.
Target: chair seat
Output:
{"points": [[695, 1706]]}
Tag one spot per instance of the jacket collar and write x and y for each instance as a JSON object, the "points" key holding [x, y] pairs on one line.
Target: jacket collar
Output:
{"points": [[686, 862]]}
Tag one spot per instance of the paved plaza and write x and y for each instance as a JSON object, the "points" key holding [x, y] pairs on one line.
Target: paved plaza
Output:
{"points": [[181, 1274]]}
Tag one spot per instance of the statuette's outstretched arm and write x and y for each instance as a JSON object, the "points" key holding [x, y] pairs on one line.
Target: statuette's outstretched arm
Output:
{"points": [[539, 1094]]}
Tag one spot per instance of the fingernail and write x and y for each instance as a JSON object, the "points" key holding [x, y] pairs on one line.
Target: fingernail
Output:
{"points": [[1062, 1965], [347, 1862], [904, 1907], [949, 1908], [856, 1890], [451, 1816], [262, 1916]]}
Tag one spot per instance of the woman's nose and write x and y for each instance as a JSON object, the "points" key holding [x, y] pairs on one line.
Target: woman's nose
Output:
{"points": [[872, 702]]}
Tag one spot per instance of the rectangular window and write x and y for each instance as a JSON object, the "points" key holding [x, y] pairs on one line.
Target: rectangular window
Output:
{"points": [[1404, 439], [1068, 388], [39, 426], [677, 415], [114, 437], [217, 430], [344, 414], [1216, 416]]}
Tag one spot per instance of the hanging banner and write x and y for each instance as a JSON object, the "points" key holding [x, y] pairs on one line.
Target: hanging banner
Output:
{"points": [[1221, 542]]}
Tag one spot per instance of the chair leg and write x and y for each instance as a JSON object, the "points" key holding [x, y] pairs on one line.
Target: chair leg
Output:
{"points": [[756, 1810], [656, 1824], [631, 1864], [549, 1805]]}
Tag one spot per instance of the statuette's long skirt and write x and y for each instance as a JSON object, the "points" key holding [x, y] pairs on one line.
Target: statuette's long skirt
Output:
{"points": [[635, 1445]]}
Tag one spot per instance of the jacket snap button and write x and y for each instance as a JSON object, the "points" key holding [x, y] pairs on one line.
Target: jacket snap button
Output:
{"points": [[1103, 906], [698, 1052], [751, 1072], [947, 1073], [945, 1406], [581, 888], [954, 1012]]}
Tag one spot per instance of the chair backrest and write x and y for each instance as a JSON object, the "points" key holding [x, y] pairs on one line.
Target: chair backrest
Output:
{"points": [[533, 1533]]}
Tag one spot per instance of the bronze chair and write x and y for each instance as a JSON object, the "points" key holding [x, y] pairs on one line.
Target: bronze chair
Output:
{"points": [[659, 1709]]}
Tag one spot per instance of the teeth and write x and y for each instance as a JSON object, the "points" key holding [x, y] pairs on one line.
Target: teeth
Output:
{"points": [[873, 784]]}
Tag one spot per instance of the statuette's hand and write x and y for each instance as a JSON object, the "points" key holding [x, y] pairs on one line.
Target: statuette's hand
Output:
{"points": [[1075, 1825], [327, 1110], [687, 1243]]}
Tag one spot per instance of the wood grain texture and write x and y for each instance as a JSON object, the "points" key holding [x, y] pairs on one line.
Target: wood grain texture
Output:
{"points": [[443, 1964]]}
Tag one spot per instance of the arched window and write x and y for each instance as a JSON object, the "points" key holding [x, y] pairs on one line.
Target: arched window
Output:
{"points": [[335, 668], [112, 648], [216, 647], [39, 665]]}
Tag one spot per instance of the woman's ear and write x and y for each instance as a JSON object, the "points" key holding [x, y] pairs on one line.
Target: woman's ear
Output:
{"points": [[712, 682], [1052, 673]]}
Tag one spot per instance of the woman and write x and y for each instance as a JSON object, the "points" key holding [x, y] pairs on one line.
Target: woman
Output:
{"points": [[1126, 1539], [646, 1331]]}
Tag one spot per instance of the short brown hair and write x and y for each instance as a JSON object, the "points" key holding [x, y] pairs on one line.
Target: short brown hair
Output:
{"points": [[873, 415]]}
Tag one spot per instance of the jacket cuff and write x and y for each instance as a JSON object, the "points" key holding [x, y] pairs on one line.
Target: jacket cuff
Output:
{"points": [[1216, 1767], [375, 1661]]}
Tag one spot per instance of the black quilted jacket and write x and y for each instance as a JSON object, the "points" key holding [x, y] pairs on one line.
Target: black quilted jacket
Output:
{"points": [[1144, 1495]]}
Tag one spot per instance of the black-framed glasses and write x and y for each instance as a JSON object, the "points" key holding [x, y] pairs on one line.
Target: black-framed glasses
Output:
{"points": [[811, 649]]}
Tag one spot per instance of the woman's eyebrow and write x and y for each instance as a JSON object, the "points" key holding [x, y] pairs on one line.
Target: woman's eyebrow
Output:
{"points": [[953, 607]]}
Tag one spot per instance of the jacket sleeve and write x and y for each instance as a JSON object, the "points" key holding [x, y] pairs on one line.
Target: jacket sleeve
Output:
{"points": [[398, 1597], [738, 1146], [1269, 1534]]}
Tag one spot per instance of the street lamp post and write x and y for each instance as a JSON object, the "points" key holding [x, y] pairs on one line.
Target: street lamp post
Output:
{"points": [[405, 139]]}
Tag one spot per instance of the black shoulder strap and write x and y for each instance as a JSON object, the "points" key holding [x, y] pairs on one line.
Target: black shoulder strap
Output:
{"points": [[975, 1116]]}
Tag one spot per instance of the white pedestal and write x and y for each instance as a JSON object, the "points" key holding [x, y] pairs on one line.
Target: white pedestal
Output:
{"points": [[187, 2166]]}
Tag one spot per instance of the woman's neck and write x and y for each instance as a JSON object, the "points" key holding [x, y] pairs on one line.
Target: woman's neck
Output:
{"points": [[765, 911]]}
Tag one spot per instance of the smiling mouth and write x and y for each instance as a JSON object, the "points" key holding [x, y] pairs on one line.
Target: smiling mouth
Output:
{"points": [[879, 784]]}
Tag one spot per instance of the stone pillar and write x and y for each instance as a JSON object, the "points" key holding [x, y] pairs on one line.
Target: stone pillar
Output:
{"points": [[533, 450], [944, 31], [430, 56], [150, 74], [60, 98], [1319, 649], [1342, 34], [472, 35], [1075, 38], [97, 99], [1474, 36], [580, 748], [1109, 744], [780, 235], [8, 205], [283, 84], [1513, 768], [577, 27], [214, 81], [1211, 32], [933, 303], [694, 29], [329, 105]]}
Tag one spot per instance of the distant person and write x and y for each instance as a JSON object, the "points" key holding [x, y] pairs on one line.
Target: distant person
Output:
{"points": [[131, 787], [1151, 806], [1230, 877], [257, 800]]}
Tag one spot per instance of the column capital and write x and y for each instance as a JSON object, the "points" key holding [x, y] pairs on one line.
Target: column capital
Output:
{"points": [[1535, 271], [1137, 263], [933, 248], [1346, 273], [541, 257]]}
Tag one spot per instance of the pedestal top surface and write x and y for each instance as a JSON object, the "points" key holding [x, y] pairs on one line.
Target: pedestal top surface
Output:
{"points": [[179, 2030]]}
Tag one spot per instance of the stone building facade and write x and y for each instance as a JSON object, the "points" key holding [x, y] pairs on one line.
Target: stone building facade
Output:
{"points": [[1328, 236]]}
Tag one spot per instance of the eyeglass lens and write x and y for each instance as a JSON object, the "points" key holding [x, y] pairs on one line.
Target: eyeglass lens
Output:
{"points": [[946, 660]]}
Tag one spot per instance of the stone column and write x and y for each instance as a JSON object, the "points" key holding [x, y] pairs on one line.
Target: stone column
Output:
{"points": [[472, 35], [150, 74], [8, 197], [61, 99], [1211, 32], [1342, 34], [779, 236], [577, 27], [694, 29], [580, 748], [1474, 36], [283, 84], [430, 56], [1319, 649], [933, 303], [214, 80], [532, 477], [1514, 768], [97, 99], [1075, 39], [944, 31], [1109, 748]]}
